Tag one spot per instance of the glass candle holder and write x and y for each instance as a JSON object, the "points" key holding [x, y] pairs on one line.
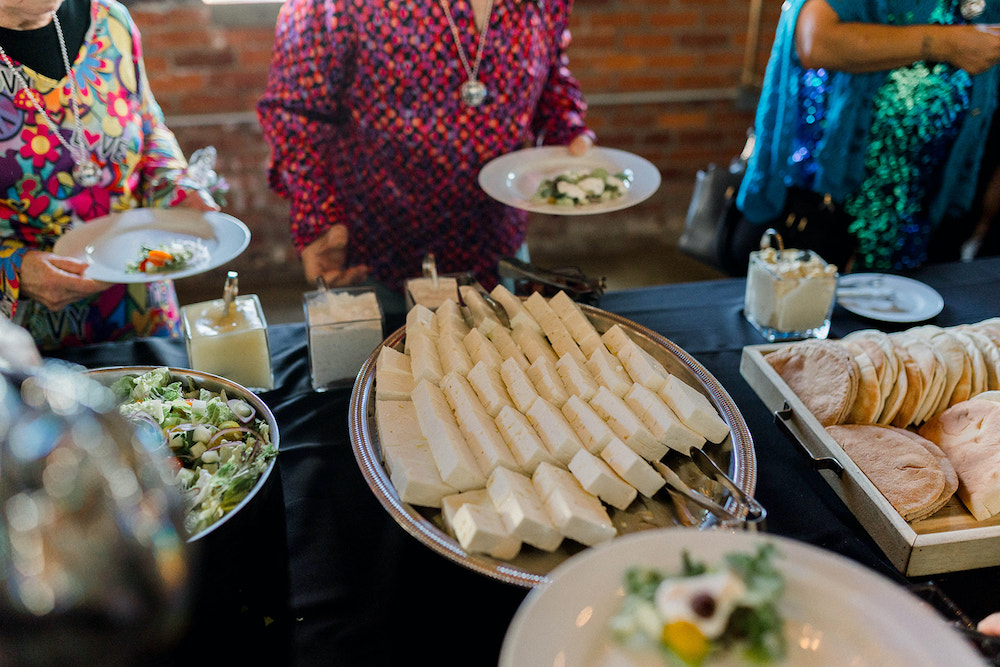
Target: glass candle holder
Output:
{"points": [[343, 327], [229, 339], [790, 294]]}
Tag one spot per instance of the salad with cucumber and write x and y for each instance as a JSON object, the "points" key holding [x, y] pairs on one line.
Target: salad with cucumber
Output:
{"points": [[217, 445], [580, 188], [703, 612], [171, 256]]}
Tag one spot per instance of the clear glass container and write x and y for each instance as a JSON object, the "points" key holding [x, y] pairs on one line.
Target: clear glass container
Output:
{"points": [[344, 326], [790, 294], [228, 337], [430, 291]]}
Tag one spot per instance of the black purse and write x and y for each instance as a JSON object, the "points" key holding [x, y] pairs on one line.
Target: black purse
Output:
{"points": [[712, 213]]}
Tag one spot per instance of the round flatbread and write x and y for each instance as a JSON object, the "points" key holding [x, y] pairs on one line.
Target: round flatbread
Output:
{"points": [[868, 401], [878, 346], [906, 473], [823, 374], [990, 352], [950, 475], [914, 387]]}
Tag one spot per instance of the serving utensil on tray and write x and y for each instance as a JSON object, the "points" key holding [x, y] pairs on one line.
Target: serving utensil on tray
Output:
{"points": [[676, 485]]}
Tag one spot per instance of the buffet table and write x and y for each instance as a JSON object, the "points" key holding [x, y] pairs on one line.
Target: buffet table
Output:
{"points": [[331, 579]]}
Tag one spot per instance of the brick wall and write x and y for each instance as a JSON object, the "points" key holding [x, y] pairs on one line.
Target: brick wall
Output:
{"points": [[663, 79]]}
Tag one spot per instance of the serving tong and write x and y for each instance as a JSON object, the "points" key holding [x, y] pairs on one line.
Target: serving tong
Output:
{"points": [[749, 512]]}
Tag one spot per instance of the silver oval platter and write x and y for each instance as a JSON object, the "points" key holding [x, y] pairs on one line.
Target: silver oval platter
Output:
{"points": [[531, 566]]}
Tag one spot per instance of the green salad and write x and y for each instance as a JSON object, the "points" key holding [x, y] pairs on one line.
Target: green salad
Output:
{"points": [[580, 188], [218, 446], [701, 612]]}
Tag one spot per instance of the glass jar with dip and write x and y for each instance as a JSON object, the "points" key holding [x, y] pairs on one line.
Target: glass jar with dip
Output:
{"points": [[344, 326], [228, 337], [431, 289], [789, 293]]}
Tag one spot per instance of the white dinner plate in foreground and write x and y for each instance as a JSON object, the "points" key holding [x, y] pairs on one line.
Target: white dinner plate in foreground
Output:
{"points": [[513, 178], [910, 300], [110, 242], [836, 611]]}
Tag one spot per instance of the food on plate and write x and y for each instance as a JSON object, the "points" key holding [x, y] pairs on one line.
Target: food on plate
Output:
{"points": [[218, 444], [912, 473], [703, 611], [171, 256], [904, 378], [538, 429], [582, 187], [789, 291], [969, 434]]}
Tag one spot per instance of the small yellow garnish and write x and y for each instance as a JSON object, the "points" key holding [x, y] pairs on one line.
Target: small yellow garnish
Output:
{"points": [[686, 640]]}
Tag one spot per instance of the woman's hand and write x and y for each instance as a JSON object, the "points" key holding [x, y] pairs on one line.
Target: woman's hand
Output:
{"points": [[326, 257], [56, 281], [581, 144]]}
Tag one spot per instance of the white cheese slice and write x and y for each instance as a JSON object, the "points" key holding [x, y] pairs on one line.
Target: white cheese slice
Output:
{"points": [[481, 348], [615, 338], [589, 426], [641, 366], [578, 324], [391, 360], [516, 312], [453, 355], [391, 386], [489, 387], [545, 376], [424, 360], [452, 503], [461, 397], [515, 498], [482, 313], [589, 344], [661, 421], [627, 425], [554, 430], [524, 443], [455, 462], [477, 427], [507, 348], [597, 478], [632, 468], [577, 514], [577, 379], [407, 455], [558, 335], [519, 386], [479, 529], [608, 371], [420, 319], [694, 409], [532, 343], [449, 316]]}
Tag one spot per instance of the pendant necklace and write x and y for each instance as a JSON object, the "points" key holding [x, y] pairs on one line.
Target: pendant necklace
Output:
{"points": [[473, 91], [972, 8], [85, 172]]}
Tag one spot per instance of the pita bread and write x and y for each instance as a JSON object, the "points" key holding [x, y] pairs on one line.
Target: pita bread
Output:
{"points": [[969, 434], [932, 373], [823, 374], [990, 352], [978, 376], [914, 387], [868, 402], [958, 368], [906, 473], [950, 476]]}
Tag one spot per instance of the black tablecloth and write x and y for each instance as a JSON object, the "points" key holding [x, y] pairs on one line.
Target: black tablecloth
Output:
{"points": [[348, 586]]}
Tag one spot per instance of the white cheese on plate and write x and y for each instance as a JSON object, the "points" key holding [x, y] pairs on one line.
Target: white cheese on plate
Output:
{"points": [[489, 387], [577, 379], [589, 426], [557, 434], [455, 462], [519, 386], [694, 409], [482, 349], [424, 360], [521, 509], [524, 443], [532, 343], [661, 421], [507, 348], [516, 312], [632, 468], [545, 376], [608, 371], [597, 478], [627, 425], [577, 514]]}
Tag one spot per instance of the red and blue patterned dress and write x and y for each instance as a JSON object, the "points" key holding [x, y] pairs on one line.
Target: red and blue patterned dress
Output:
{"points": [[367, 127], [141, 162]]}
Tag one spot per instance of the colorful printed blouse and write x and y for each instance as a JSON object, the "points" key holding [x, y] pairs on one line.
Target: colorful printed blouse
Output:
{"points": [[900, 149], [367, 128], [141, 162]]}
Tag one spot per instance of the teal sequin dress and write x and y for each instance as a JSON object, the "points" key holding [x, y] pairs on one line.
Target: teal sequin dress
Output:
{"points": [[898, 149]]}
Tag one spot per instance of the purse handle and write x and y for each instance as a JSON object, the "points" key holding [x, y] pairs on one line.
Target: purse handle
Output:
{"points": [[749, 90]]}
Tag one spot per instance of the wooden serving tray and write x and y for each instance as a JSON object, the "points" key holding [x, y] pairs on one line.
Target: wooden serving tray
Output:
{"points": [[949, 541]]}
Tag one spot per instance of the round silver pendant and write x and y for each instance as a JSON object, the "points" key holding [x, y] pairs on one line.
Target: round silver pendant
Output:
{"points": [[87, 174], [473, 93], [972, 8]]}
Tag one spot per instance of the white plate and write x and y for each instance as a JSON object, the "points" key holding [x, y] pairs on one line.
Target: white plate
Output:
{"points": [[836, 611], [912, 301], [110, 242], [513, 178]]}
